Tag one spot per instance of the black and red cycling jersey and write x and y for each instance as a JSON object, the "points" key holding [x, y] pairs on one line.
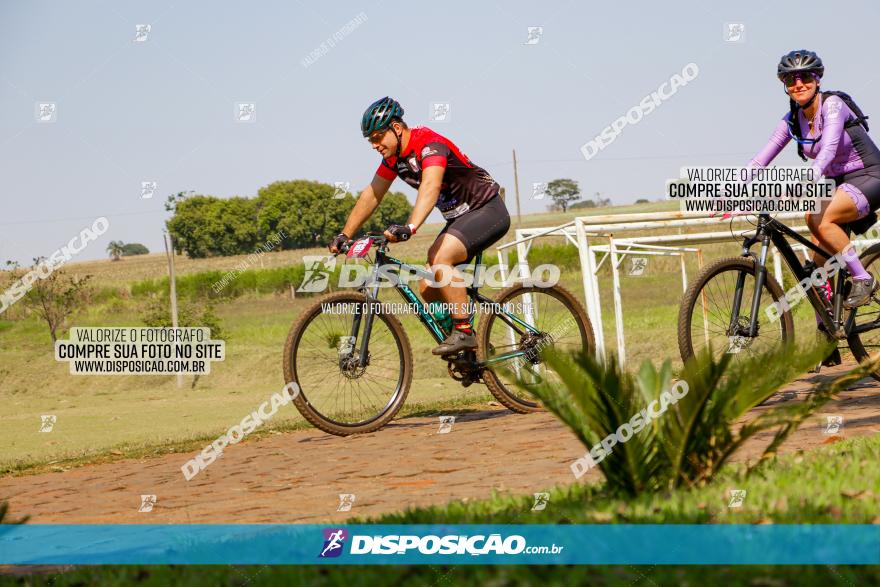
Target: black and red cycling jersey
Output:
{"points": [[465, 186]]}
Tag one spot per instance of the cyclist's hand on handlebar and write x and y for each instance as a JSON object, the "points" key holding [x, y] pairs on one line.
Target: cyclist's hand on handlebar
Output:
{"points": [[340, 243], [399, 232]]}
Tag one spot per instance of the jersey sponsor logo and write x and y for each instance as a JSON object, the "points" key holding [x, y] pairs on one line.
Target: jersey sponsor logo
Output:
{"points": [[428, 151], [457, 211], [833, 107]]}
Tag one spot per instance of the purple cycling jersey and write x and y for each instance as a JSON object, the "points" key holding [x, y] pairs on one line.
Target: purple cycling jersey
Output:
{"points": [[840, 151]]}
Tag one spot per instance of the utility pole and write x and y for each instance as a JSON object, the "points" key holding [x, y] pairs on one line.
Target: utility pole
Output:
{"points": [[516, 185], [169, 252]]}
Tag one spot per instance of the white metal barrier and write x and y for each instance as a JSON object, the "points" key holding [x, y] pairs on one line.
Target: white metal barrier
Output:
{"points": [[584, 231]]}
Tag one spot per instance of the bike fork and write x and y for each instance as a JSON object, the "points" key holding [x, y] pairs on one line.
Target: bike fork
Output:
{"points": [[370, 298], [760, 278]]}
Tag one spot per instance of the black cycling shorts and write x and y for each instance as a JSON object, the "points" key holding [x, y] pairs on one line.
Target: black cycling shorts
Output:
{"points": [[863, 187], [480, 228]]}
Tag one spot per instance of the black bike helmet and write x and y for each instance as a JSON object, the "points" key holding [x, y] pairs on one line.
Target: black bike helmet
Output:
{"points": [[380, 115], [799, 60]]}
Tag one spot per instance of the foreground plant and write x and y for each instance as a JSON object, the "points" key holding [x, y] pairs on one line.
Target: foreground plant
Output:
{"points": [[4, 515], [647, 433]]}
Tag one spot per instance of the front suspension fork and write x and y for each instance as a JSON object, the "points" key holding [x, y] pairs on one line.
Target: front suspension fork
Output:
{"points": [[760, 279]]}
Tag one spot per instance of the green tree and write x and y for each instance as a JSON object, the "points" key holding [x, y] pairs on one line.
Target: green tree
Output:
{"points": [[132, 249], [305, 210], [309, 214], [204, 226], [57, 297], [563, 192], [394, 209], [115, 249]]}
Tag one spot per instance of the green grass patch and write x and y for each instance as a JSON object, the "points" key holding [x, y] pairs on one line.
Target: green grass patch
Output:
{"points": [[776, 493]]}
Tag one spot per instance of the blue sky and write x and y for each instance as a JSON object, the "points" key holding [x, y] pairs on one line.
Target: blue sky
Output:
{"points": [[164, 110]]}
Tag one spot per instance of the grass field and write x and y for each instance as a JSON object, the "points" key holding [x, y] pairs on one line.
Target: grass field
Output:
{"points": [[97, 414]]}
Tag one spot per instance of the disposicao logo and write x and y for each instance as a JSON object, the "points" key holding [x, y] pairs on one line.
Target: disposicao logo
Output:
{"points": [[334, 541]]}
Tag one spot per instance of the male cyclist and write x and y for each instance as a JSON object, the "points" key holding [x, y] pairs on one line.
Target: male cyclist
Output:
{"points": [[465, 194]]}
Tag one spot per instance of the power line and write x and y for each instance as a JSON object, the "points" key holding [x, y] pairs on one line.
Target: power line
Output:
{"points": [[141, 212], [634, 158]]}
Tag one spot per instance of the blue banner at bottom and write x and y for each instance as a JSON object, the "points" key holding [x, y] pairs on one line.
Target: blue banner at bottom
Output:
{"points": [[439, 544]]}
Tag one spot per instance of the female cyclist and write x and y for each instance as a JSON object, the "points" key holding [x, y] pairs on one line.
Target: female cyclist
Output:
{"points": [[829, 129]]}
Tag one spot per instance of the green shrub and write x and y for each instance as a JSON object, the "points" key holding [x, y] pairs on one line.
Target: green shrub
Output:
{"points": [[697, 434]]}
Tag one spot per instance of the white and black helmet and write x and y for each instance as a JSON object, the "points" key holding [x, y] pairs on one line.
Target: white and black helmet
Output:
{"points": [[800, 61]]}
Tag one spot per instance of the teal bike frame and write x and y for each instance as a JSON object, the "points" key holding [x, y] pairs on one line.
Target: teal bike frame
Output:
{"points": [[372, 287]]}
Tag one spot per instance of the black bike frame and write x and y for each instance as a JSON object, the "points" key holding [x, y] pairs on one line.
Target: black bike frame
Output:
{"points": [[371, 290], [770, 230]]}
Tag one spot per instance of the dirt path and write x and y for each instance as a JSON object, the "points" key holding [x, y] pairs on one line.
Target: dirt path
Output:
{"points": [[297, 477]]}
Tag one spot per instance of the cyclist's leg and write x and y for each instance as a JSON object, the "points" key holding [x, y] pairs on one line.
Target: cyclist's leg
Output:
{"points": [[813, 222], [468, 235], [848, 204], [427, 291], [446, 252]]}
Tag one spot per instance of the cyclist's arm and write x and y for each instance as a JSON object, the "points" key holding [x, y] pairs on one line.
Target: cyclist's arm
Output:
{"points": [[366, 204], [429, 191]]}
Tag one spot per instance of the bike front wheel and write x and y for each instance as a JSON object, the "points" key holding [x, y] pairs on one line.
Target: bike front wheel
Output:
{"points": [[705, 318], [336, 393]]}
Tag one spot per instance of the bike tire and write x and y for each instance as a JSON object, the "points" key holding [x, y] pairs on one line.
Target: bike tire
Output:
{"points": [[857, 344], [691, 300], [308, 411], [497, 388]]}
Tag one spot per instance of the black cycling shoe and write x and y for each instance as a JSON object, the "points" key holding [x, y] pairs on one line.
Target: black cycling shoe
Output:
{"points": [[455, 342], [861, 292], [833, 359]]}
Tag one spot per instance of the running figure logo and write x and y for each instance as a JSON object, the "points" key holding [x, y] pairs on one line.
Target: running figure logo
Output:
{"points": [[541, 500], [340, 188], [535, 33], [147, 503], [833, 424], [734, 32], [346, 500], [737, 497], [539, 190], [638, 265], [318, 269], [47, 422], [334, 539]]}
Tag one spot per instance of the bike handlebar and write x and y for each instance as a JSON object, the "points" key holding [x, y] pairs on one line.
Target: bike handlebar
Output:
{"points": [[376, 237]]}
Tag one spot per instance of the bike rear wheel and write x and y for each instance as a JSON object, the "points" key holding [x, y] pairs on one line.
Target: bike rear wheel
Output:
{"points": [[336, 394], [563, 326], [865, 346], [706, 310]]}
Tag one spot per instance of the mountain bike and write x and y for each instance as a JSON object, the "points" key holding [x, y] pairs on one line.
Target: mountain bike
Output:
{"points": [[722, 309], [353, 361]]}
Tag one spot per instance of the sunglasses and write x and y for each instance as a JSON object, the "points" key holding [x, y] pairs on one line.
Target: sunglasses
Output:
{"points": [[790, 79], [377, 136]]}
